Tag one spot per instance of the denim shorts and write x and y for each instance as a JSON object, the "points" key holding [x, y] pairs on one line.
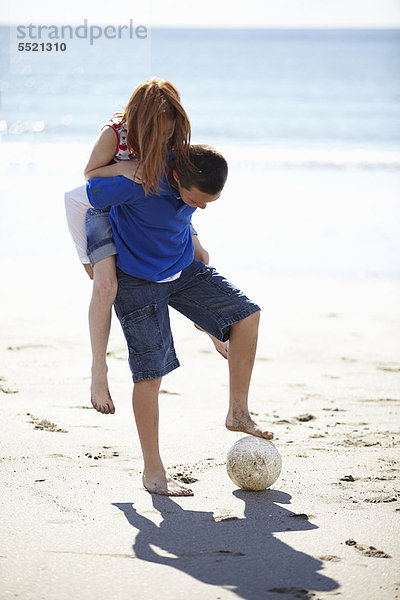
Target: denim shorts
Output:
{"points": [[100, 242], [200, 293]]}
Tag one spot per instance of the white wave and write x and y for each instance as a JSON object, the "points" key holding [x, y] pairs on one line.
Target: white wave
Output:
{"points": [[268, 157], [66, 157]]}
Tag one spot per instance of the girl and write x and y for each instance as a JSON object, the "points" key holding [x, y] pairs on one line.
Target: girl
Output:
{"points": [[135, 144]]}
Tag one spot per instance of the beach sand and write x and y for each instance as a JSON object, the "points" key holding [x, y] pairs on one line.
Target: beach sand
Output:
{"points": [[76, 522]]}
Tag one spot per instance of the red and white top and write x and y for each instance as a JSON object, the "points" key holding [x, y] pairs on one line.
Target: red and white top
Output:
{"points": [[122, 150]]}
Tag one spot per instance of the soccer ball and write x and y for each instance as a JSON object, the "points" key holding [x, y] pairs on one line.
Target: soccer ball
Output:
{"points": [[253, 463]]}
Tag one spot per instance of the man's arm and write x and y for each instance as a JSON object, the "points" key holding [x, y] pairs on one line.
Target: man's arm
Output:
{"points": [[112, 191]]}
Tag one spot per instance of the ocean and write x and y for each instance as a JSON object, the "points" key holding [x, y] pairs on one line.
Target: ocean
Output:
{"points": [[309, 120]]}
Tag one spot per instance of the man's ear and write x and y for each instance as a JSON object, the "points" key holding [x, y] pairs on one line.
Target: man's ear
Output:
{"points": [[175, 176]]}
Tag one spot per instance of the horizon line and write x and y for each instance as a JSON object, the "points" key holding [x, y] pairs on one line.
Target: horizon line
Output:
{"points": [[393, 27]]}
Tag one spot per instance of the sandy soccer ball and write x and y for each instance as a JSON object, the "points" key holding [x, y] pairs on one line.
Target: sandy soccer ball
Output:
{"points": [[253, 463]]}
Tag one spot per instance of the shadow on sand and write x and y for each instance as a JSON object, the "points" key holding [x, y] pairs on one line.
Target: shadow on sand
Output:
{"points": [[240, 554]]}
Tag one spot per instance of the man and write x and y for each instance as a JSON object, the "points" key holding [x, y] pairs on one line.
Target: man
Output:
{"points": [[156, 270]]}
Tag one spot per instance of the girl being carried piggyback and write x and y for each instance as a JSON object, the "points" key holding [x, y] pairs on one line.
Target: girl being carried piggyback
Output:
{"points": [[136, 145]]}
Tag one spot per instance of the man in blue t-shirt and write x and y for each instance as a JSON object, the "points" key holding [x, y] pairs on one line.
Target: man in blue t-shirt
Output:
{"points": [[155, 269]]}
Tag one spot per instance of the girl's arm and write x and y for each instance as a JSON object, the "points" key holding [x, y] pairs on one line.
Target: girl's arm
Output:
{"points": [[103, 153]]}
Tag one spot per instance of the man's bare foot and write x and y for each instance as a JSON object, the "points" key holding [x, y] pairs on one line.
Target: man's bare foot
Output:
{"points": [[165, 486], [100, 397], [246, 424], [221, 347]]}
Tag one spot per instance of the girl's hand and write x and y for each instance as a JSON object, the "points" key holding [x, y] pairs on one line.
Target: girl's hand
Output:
{"points": [[88, 270], [131, 169]]}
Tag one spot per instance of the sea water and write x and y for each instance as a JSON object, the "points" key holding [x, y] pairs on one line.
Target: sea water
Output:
{"points": [[308, 119]]}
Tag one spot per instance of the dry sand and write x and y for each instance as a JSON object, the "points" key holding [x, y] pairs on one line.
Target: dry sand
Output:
{"points": [[76, 522]]}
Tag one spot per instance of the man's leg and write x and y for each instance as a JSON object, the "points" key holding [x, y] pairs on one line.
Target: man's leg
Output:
{"points": [[242, 351], [208, 299], [145, 408]]}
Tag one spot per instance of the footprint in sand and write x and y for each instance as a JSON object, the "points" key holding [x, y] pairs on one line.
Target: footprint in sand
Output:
{"points": [[389, 367], [27, 347], [369, 551], [107, 452], [184, 476], [45, 425], [305, 418], [329, 558], [381, 498], [185, 473], [7, 390]]}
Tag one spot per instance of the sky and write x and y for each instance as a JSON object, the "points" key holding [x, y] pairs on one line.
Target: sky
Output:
{"points": [[207, 13]]}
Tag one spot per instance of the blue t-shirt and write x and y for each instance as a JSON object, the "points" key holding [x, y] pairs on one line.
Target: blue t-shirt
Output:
{"points": [[151, 233]]}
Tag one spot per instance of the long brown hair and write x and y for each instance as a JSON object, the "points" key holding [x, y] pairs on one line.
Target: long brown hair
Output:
{"points": [[150, 107]]}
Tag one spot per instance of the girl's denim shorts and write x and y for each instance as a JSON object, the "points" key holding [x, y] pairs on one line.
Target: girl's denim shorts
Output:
{"points": [[100, 242], [200, 294]]}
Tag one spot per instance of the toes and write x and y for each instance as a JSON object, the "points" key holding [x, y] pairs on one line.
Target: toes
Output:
{"points": [[251, 428], [106, 407], [167, 488]]}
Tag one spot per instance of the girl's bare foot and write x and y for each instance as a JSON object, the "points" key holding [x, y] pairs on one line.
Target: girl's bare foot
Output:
{"points": [[221, 347], [243, 422], [100, 396], [161, 483]]}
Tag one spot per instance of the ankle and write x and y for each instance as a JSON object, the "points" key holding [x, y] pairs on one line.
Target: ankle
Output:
{"points": [[237, 412], [154, 469], [99, 369]]}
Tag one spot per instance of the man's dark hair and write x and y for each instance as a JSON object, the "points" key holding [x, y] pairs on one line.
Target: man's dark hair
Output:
{"points": [[209, 170]]}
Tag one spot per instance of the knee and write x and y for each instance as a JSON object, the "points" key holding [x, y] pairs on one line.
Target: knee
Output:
{"points": [[147, 385], [251, 322], [105, 288], [255, 318]]}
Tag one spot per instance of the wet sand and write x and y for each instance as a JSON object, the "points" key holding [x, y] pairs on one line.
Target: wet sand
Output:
{"points": [[76, 522]]}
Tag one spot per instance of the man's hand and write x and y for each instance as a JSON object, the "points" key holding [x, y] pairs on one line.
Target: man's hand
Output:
{"points": [[88, 270], [131, 169], [199, 252]]}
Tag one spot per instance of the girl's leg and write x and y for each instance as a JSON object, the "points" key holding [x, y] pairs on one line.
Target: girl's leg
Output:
{"points": [[242, 351], [104, 291], [145, 408]]}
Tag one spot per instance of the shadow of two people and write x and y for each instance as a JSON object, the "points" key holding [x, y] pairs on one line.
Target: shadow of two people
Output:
{"points": [[240, 554]]}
